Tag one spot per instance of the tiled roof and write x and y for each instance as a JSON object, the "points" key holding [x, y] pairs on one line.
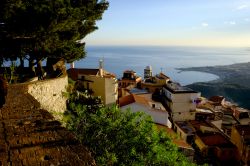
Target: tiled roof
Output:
{"points": [[126, 100], [163, 76], [217, 99], [74, 72]]}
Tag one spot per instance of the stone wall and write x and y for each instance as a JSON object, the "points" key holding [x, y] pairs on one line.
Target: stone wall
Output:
{"points": [[48, 95], [30, 135]]}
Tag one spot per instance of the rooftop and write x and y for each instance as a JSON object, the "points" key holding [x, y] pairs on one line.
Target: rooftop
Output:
{"points": [[74, 72], [138, 91], [162, 76], [126, 100], [185, 126], [204, 110], [144, 99], [176, 140], [218, 99], [210, 135], [174, 87], [129, 71]]}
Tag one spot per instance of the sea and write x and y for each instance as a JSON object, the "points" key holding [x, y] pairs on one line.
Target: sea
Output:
{"points": [[165, 59]]}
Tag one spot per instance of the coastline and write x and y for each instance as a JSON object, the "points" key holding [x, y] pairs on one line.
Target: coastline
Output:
{"points": [[237, 73], [233, 82]]}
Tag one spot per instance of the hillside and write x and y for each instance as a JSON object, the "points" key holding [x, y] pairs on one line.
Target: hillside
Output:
{"points": [[234, 82]]}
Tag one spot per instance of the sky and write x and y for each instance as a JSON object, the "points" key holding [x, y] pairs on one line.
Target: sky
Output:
{"points": [[174, 23]]}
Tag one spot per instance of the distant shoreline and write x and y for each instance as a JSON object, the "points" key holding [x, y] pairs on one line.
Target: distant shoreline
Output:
{"points": [[224, 72], [233, 82]]}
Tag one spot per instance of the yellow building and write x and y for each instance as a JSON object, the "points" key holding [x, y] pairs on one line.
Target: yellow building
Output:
{"points": [[154, 83], [101, 82], [240, 136]]}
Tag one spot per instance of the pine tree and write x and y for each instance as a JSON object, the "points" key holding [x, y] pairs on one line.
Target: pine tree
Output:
{"points": [[36, 30]]}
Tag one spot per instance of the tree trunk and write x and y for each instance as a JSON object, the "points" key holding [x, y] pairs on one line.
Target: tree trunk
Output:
{"points": [[21, 62], [40, 71], [32, 67]]}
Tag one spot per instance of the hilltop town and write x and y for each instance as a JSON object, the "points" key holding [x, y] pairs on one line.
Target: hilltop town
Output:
{"points": [[211, 130], [206, 130]]}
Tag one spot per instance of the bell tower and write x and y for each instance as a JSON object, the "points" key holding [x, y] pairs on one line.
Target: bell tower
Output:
{"points": [[148, 72]]}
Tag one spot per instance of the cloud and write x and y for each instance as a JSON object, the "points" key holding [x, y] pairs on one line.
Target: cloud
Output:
{"points": [[204, 24], [247, 19], [241, 7], [232, 22]]}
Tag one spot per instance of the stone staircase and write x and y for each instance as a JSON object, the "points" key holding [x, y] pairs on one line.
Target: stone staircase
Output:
{"points": [[30, 136]]}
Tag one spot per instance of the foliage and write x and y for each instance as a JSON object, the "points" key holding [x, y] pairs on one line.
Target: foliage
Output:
{"points": [[118, 137], [36, 30]]}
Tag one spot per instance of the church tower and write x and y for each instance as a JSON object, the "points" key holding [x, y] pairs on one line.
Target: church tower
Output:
{"points": [[148, 72]]}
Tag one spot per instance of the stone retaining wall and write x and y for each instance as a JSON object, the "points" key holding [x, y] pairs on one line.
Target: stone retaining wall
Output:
{"points": [[48, 93]]}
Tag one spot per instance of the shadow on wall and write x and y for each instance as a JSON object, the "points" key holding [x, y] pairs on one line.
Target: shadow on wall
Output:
{"points": [[3, 90]]}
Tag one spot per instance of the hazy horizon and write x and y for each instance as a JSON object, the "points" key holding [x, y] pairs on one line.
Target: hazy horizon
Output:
{"points": [[224, 23]]}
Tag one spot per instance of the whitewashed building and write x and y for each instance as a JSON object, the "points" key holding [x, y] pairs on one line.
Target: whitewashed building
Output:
{"points": [[181, 101]]}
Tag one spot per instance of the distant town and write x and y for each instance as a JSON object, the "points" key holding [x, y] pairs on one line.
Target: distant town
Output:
{"points": [[207, 130]]}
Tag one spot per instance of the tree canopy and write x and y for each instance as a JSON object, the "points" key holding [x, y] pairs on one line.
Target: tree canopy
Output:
{"points": [[42, 29], [116, 137]]}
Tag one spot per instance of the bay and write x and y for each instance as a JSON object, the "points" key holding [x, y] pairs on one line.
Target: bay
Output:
{"points": [[165, 59]]}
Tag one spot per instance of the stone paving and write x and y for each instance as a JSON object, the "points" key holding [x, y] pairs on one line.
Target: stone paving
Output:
{"points": [[31, 136]]}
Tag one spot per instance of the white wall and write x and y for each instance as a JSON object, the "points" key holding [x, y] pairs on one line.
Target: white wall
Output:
{"points": [[111, 90], [46, 94], [49, 93], [181, 97], [160, 117], [182, 105]]}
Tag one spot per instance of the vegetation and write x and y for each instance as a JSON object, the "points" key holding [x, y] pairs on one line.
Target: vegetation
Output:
{"points": [[233, 92], [36, 30], [118, 137]]}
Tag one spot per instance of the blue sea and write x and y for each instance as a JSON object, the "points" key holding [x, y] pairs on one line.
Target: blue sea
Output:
{"points": [[165, 59]]}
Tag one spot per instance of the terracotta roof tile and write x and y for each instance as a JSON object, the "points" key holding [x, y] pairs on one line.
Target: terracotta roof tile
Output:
{"points": [[74, 72], [126, 100]]}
